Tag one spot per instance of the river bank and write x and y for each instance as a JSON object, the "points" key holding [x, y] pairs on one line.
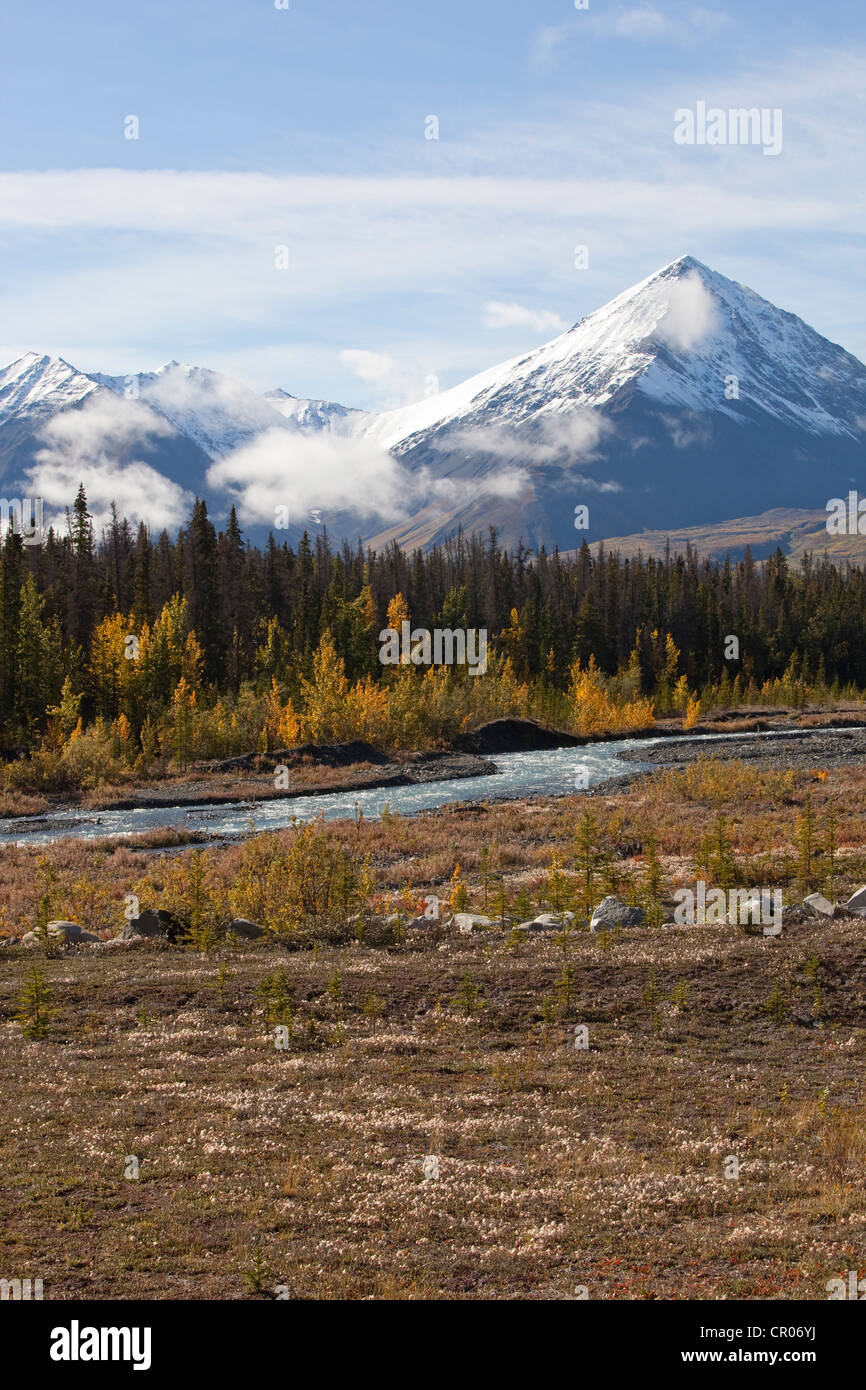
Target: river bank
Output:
{"points": [[794, 748], [253, 777], [506, 759]]}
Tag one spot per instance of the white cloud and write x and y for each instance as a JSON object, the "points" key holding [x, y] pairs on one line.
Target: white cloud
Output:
{"points": [[95, 445], [679, 23], [688, 431], [506, 483], [302, 472], [331, 474], [180, 264], [691, 313], [499, 315], [375, 367], [217, 411], [546, 43], [642, 23], [394, 385], [561, 438]]}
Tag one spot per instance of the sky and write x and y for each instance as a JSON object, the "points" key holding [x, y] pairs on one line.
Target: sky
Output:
{"points": [[284, 216]]}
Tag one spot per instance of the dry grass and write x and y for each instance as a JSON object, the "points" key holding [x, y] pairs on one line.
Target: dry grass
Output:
{"points": [[418, 854], [558, 1167]]}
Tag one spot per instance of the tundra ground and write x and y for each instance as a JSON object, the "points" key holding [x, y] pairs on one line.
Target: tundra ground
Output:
{"points": [[708, 1142]]}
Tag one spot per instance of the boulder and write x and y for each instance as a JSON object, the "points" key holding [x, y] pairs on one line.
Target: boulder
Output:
{"points": [[467, 922], [818, 905], [613, 912], [856, 904], [548, 921], [795, 915], [515, 735], [245, 929], [154, 922], [68, 932]]}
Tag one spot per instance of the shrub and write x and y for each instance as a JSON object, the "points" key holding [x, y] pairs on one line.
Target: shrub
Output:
{"points": [[34, 1005]]}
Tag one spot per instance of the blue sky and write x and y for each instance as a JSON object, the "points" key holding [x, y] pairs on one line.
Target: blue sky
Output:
{"points": [[409, 258]]}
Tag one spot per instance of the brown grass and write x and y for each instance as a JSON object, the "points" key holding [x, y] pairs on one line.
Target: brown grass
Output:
{"points": [[559, 1168]]}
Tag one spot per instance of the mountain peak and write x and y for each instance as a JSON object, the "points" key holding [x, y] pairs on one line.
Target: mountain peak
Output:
{"points": [[686, 399], [38, 384], [682, 265], [31, 362], [184, 367]]}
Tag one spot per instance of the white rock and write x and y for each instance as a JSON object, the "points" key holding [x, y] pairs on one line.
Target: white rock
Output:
{"points": [[60, 931], [818, 905], [613, 912], [857, 903], [467, 922], [549, 921]]}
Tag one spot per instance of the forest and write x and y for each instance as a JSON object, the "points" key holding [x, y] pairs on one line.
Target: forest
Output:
{"points": [[132, 653]]}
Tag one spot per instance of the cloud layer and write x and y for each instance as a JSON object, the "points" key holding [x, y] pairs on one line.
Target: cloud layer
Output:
{"points": [[96, 446], [499, 315], [397, 258], [330, 474], [691, 315]]}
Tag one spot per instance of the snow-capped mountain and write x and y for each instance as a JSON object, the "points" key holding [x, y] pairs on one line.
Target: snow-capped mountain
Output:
{"points": [[176, 421], [310, 415], [32, 390], [676, 336], [687, 400], [218, 413], [37, 386]]}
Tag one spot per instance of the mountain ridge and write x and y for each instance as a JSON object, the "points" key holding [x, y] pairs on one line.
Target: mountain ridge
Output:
{"points": [[685, 400]]}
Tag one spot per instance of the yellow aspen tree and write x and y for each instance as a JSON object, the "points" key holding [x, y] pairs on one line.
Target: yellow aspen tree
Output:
{"points": [[325, 696]]}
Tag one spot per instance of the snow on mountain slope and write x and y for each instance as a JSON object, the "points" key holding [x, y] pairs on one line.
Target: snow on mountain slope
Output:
{"points": [[686, 400], [179, 420], [216, 412], [37, 386], [221, 414], [675, 337], [313, 415], [32, 392]]}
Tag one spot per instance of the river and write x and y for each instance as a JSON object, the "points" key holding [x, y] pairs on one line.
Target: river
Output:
{"points": [[551, 772]]}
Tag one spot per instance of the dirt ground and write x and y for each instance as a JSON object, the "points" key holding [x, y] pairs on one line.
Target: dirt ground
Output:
{"points": [[430, 1127]]}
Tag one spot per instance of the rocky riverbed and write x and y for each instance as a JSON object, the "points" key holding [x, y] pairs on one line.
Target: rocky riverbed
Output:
{"points": [[792, 748]]}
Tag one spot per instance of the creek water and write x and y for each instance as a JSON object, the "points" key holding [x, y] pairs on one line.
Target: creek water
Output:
{"points": [[550, 772]]}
